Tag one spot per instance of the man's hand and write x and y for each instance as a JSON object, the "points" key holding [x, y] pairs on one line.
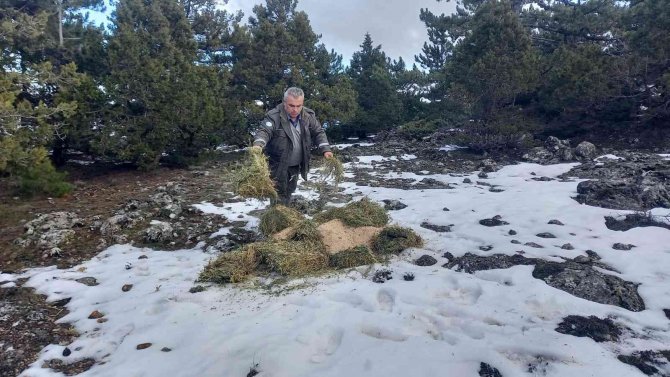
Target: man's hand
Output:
{"points": [[328, 154]]}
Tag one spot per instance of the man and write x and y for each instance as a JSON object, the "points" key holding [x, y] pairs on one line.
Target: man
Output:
{"points": [[288, 133]]}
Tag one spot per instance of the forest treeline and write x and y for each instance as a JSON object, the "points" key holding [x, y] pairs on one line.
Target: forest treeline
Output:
{"points": [[169, 80]]}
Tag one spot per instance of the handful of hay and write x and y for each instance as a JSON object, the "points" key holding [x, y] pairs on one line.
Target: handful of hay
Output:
{"points": [[252, 180], [232, 267], [332, 169], [394, 239]]}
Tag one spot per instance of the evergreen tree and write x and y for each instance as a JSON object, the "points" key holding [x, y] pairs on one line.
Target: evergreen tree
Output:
{"points": [[164, 106], [379, 105]]}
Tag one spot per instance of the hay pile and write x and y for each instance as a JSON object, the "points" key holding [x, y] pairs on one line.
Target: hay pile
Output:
{"points": [[356, 214], [394, 239], [278, 218], [307, 247], [252, 179]]}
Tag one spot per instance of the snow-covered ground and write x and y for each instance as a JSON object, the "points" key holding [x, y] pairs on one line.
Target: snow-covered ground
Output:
{"points": [[443, 323]]}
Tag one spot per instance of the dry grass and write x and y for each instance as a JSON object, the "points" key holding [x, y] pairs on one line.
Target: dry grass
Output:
{"points": [[294, 258], [354, 257], [278, 218], [356, 214], [233, 267], [395, 239], [252, 179], [332, 169]]}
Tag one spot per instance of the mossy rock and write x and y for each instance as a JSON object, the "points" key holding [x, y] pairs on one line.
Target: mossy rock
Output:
{"points": [[395, 239], [356, 214]]}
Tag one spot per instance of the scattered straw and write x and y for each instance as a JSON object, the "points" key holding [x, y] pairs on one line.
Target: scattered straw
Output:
{"points": [[354, 257], [361, 213], [278, 218], [394, 239], [252, 179], [231, 267]]}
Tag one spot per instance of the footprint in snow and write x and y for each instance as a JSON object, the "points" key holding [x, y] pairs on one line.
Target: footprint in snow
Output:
{"points": [[386, 299]]}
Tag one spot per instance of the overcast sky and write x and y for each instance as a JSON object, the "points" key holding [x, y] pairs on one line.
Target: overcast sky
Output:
{"points": [[342, 24]]}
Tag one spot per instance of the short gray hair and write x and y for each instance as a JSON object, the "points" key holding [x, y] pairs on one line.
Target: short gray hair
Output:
{"points": [[293, 92]]}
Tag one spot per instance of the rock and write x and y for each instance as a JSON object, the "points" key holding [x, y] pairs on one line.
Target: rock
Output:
{"points": [[471, 263], [241, 236], [89, 280], [436, 228], [382, 275], [127, 287], [171, 211], [166, 349], [102, 320], [592, 255], [425, 260], [495, 189], [578, 279], [482, 175], [512, 232], [448, 255], [584, 281], [554, 144], [631, 221], [445, 209], [488, 166], [197, 289], [393, 205], [633, 192], [538, 155], [647, 361], [115, 224], [467, 180], [494, 221], [67, 352], [486, 370], [533, 244], [159, 231], [95, 315], [586, 150], [55, 252], [567, 246], [143, 256], [545, 235], [143, 346], [516, 242], [555, 222], [408, 276], [620, 246], [161, 199], [486, 248], [600, 330]]}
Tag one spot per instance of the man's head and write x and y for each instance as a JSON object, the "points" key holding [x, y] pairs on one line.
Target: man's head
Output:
{"points": [[293, 101]]}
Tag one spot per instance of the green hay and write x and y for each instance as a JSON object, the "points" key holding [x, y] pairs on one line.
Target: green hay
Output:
{"points": [[232, 267], [356, 214], [395, 239], [252, 179], [294, 258], [278, 218], [354, 257], [306, 231], [332, 169]]}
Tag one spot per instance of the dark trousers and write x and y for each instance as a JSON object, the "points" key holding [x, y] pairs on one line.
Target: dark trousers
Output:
{"points": [[286, 189]]}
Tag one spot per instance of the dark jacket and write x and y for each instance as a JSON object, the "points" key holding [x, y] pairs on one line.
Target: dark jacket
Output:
{"points": [[274, 136]]}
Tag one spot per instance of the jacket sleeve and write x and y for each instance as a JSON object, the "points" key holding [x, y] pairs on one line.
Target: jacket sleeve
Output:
{"points": [[319, 138], [264, 133]]}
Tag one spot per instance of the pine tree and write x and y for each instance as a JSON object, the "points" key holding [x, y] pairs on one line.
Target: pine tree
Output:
{"points": [[163, 103], [379, 105]]}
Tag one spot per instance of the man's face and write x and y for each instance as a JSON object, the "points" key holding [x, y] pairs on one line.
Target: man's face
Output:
{"points": [[293, 106]]}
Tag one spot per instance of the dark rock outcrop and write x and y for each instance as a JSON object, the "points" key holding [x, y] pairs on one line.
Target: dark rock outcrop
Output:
{"points": [[600, 330]]}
